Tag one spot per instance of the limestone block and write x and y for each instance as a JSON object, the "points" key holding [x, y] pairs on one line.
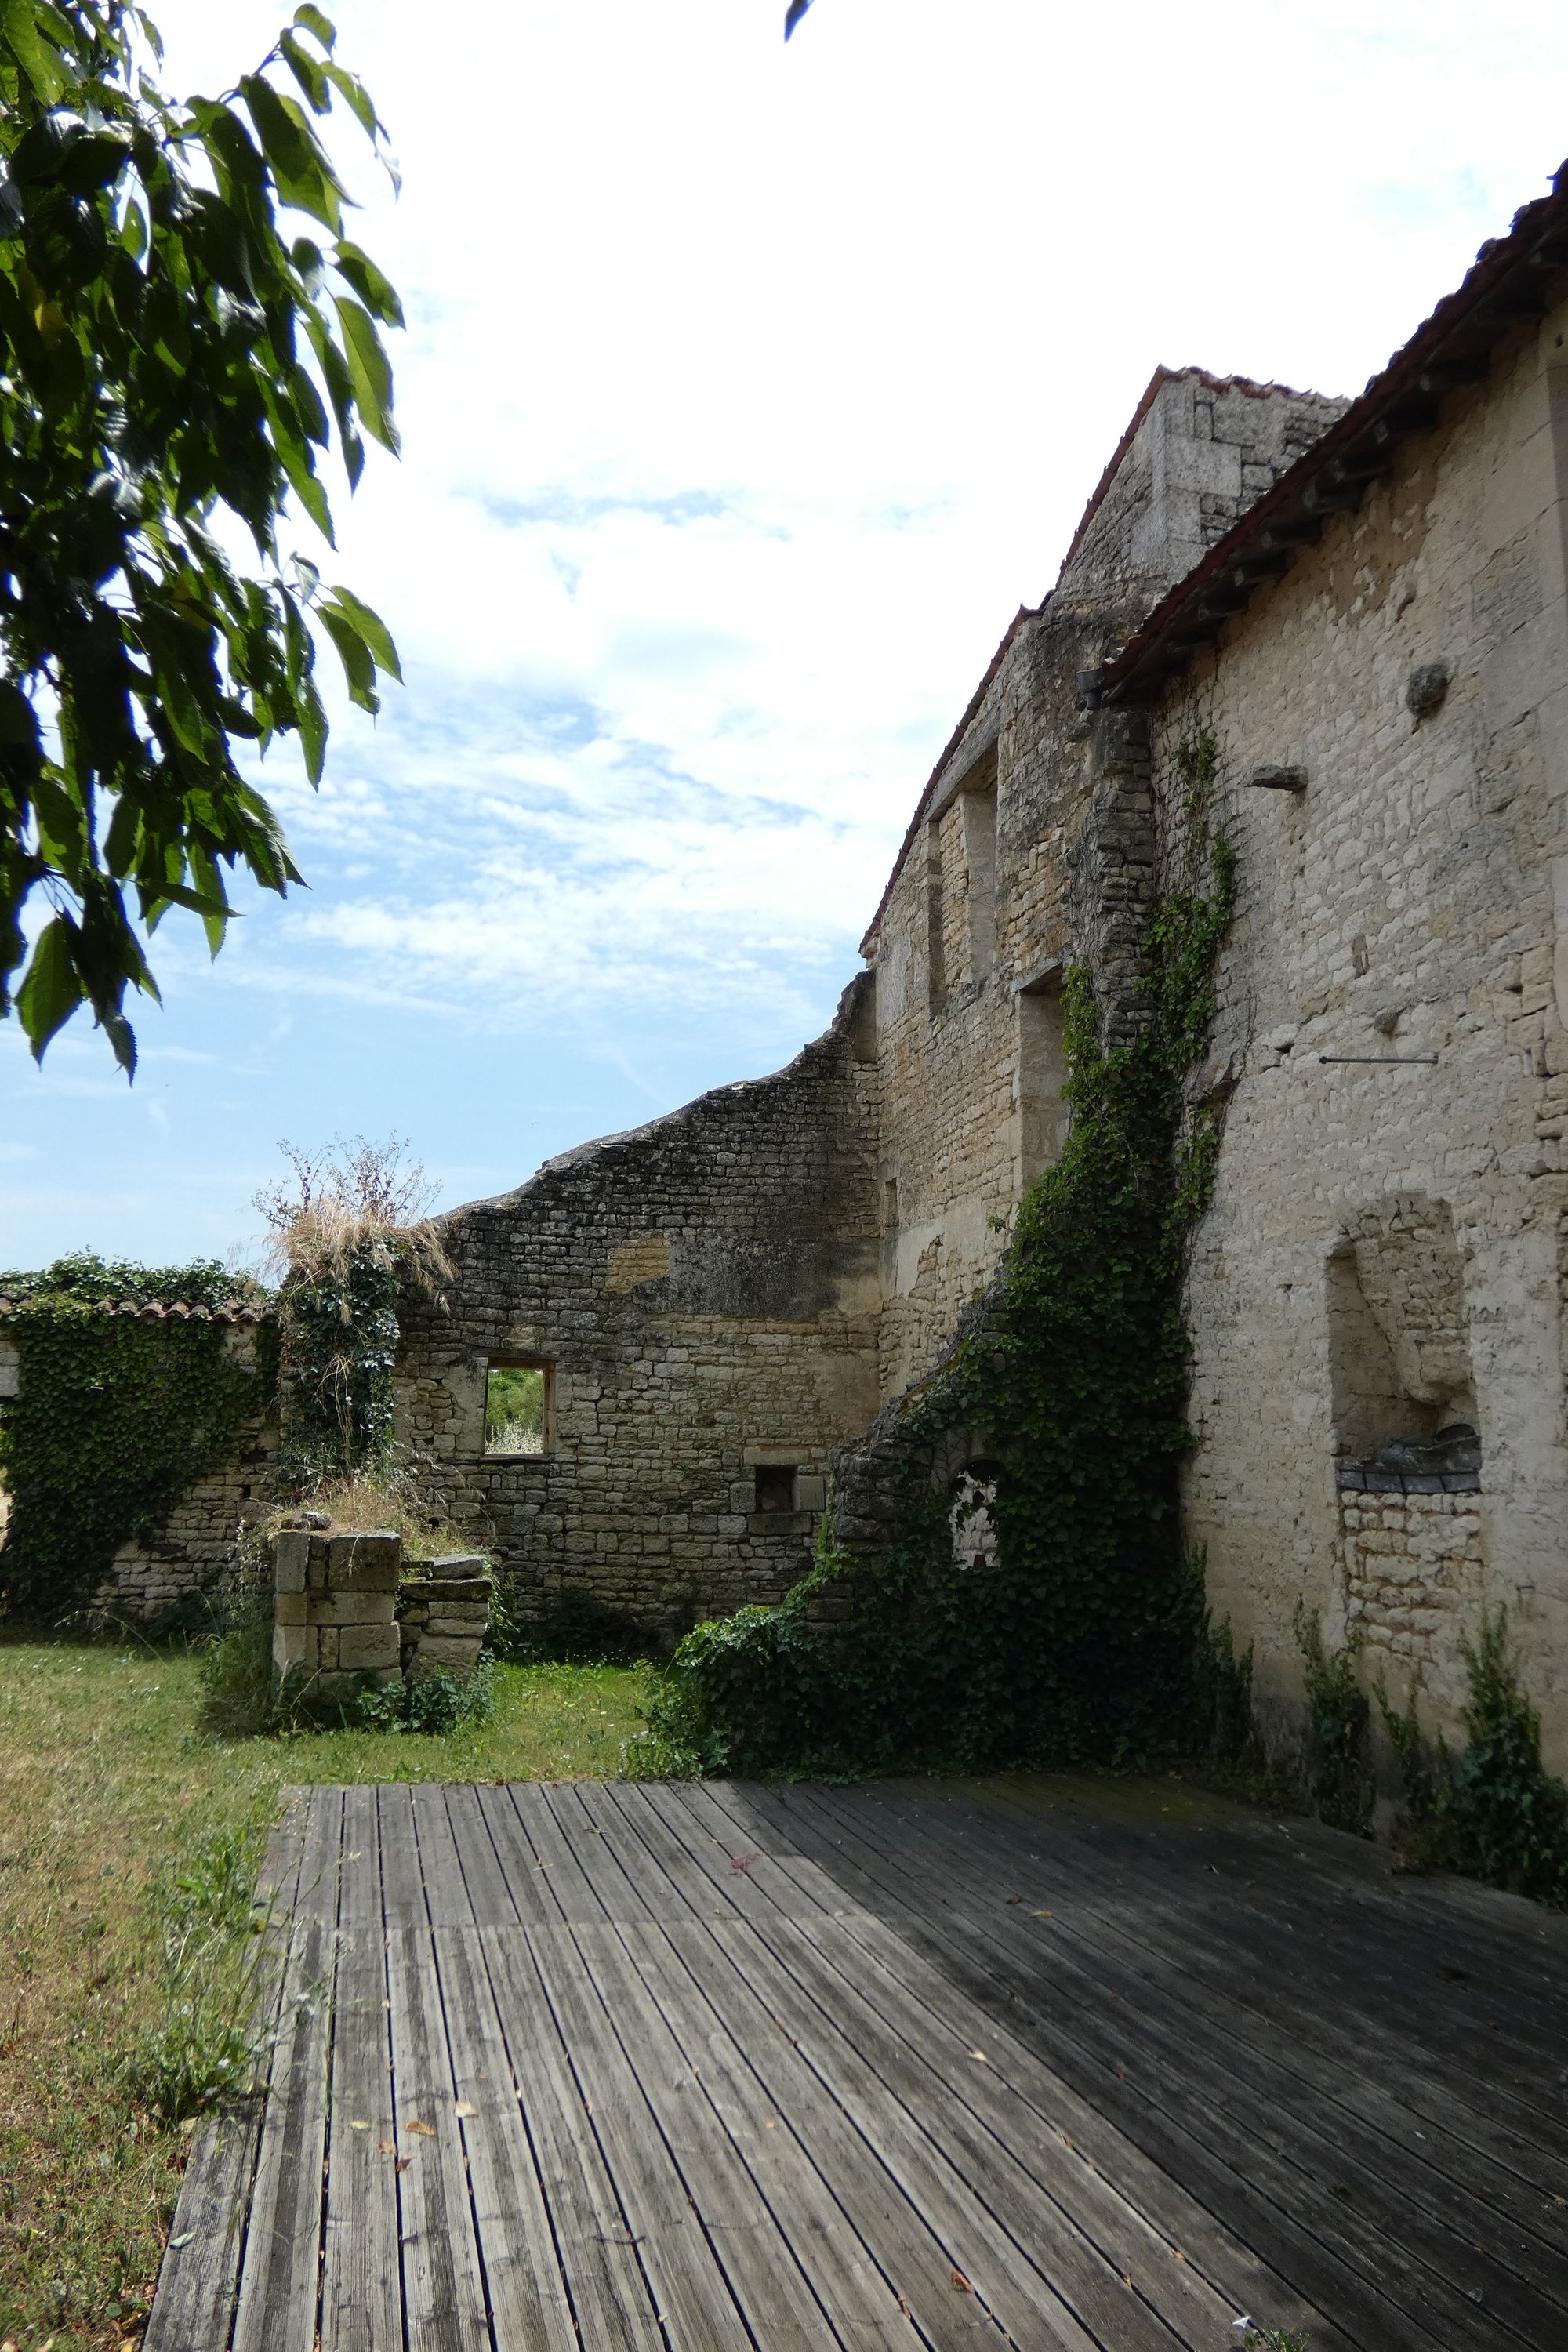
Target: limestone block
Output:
{"points": [[435, 1590], [316, 1574], [461, 1564], [456, 1656], [368, 1646], [327, 1636], [291, 1609], [335, 1608], [367, 1563], [294, 1646], [291, 1559], [466, 1624]]}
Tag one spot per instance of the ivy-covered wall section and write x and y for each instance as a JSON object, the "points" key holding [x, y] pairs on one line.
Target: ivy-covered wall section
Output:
{"points": [[1078, 1630], [120, 1410]]}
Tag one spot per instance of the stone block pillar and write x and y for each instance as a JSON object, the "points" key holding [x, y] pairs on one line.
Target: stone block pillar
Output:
{"points": [[336, 1610]]}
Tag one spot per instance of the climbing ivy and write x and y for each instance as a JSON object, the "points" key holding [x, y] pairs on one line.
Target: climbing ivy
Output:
{"points": [[339, 1343], [116, 1417], [1086, 1636]]}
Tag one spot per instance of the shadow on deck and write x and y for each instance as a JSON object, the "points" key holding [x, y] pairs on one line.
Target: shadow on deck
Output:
{"points": [[1047, 2062]]}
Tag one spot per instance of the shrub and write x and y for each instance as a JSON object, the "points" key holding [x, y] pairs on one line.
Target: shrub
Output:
{"points": [[435, 1703], [1494, 1812]]}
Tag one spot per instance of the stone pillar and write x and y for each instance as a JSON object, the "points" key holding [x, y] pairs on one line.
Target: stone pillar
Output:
{"points": [[335, 1611], [444, 1617]]}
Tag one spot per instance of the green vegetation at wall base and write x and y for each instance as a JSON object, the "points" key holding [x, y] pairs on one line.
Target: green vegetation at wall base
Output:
{"points": [[1084, 1638]]}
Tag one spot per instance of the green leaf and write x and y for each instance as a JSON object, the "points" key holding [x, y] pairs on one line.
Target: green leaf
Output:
{"points": [[308, 71], [18, 719], [305, 178], [370, 629], [359, 99], [52, 988], [38, 58], [371, 372], [310, 20], [374, 289], [359, 670]]}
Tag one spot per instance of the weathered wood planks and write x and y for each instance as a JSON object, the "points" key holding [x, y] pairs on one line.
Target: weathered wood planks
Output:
{"points": [[606, 2068]]}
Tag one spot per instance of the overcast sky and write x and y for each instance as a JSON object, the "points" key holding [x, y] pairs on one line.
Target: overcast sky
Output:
{"points": [[746, 393]]}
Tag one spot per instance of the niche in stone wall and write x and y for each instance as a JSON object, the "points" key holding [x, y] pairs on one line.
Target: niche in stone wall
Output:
{"points": [[1399, 1354], [977, 812], [1042, 1072]]}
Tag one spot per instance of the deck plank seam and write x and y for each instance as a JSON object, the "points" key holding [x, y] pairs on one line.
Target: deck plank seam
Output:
{"points": [[742, 2059], [1439, 2184], [1183, 2115], [1070, 2227]]}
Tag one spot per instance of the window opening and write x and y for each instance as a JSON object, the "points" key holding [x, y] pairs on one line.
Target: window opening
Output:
{"points": [[518, 1401], [776, 1487]]}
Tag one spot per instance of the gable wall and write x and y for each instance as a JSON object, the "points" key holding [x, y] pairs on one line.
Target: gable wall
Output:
{"points": [[1403, 905]]}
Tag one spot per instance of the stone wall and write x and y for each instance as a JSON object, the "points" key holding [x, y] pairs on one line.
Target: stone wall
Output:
{"points": [[1034, 848], [194, 1548], [1376, 1295], [1383, 1253], [703, 1293]]}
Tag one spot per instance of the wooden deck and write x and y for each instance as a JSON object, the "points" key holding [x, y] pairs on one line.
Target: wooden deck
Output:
{"points": [[1043, 2063]]}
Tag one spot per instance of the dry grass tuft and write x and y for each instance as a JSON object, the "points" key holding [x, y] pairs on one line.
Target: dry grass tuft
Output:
{"points": [[352, 1200]]}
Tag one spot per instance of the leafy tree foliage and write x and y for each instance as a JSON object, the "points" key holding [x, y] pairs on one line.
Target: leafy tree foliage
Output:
{"points": [[169, 349]]}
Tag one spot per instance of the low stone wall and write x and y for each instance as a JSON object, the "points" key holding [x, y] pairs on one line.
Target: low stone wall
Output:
{"points": [[344, 1614], [1414, 1572], [443, 1618], [193, 1550]]}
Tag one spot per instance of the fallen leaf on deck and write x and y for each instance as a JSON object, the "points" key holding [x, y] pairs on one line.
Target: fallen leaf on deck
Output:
{"points": [[404, 2162], [354, 2125], [465, 2107], [962, 2282], [385, 2147], [1014, 1898], [182, 2240], [425, 2131], [980, 2056], [742, 1861], [1042, 1915]]}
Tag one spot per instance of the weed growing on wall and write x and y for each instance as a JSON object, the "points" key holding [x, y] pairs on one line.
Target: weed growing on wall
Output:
{"points": [[1085, 1635], [348, 1234], [1493, 1812], [115, 1419], [1338, 1720]]}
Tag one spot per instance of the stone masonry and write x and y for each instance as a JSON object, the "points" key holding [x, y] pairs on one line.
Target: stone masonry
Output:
{"points": [[1365, 605], [335, 1611]]}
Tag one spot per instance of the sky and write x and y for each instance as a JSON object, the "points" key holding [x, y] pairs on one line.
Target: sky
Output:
{"points": [[746, 393]]}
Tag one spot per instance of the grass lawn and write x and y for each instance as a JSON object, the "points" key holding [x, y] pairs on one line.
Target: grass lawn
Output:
{"points": [[108, 1793]]}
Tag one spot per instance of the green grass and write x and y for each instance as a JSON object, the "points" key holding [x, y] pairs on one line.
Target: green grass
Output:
{"points": [[127, 1843]]}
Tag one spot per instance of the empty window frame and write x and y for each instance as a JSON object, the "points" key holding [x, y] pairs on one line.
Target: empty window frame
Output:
{"points": [[520, 1405], [776, 1485]]}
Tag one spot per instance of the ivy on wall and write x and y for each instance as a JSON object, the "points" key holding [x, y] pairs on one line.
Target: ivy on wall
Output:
{"points": [[116, 1417], [1085, 1635], [339, 1343]]}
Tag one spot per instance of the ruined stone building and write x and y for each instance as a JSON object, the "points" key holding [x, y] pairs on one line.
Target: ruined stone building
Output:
{"points": [[1365, 604]]}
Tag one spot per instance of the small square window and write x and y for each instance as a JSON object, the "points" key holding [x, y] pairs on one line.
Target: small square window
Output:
{"points": [[776, 1487], [519, 1408]]}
